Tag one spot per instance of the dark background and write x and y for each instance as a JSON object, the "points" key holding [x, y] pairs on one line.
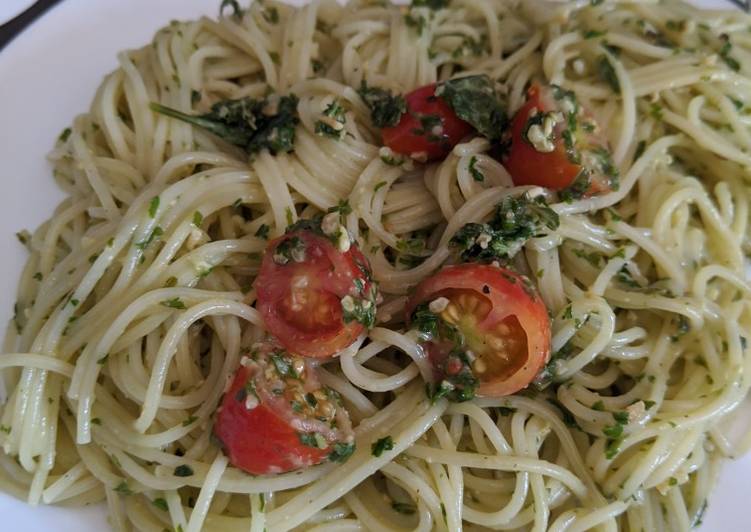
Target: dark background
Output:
{"points": [[16, 26]]}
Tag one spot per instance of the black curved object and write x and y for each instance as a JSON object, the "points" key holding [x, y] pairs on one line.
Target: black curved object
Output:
{"points": [[15, 26]]}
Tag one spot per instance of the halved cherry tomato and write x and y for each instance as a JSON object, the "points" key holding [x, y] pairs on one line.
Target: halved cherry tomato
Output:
{"points": [[277, 417], [490, 321], [428, 130], [315, 297], [555, 143]]}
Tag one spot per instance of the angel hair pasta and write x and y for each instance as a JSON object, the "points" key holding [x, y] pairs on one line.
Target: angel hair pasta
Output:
{"points": [[462, 264]]}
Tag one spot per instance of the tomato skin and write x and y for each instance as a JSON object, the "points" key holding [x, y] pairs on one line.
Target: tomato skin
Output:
{"points": [[407, 138], [258, 441], [556, 169], [528, 166], [300, 302], [510, 296], [276, 416]]}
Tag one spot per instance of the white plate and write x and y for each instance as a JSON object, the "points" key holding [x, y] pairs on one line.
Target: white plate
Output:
{"points": [[49, 74]]}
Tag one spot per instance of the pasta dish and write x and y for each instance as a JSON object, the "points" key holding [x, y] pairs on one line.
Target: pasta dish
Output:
{"points": [[452, 265]]}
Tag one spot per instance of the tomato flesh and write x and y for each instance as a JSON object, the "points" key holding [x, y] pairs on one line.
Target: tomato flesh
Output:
{"points": [[428, 130], [503, 324], [273, 423], [571, 154], [301, 288]]}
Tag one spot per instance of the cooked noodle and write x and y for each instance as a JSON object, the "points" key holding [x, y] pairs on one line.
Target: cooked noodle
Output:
{"points": [[110, 390]]}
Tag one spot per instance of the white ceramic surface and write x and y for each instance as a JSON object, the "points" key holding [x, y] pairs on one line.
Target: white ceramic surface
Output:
{"points": [[49, 74]]}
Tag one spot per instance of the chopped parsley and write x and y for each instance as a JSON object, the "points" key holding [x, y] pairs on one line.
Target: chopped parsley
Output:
{"points": [[361, 310], [197, 219], [153, 206], [333, 125], [459, 384], [725, 55], [381, 445], [341, 452], [403, 508], [516, 220], [476, 174], [160, 503], [246, 122], [175, 302], [263, 232], [154, 235], [289, 249], [386, 109], [271, 15], [593, 34], [284, 366], [607, 73], [312, 439], [475, 100], [123, 488], [183, 471]]}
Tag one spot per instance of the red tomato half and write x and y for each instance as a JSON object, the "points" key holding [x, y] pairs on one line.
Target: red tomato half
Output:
{"points": [[503, 323], [277, 417], [313, 297], [429, 129], [555, 143]]}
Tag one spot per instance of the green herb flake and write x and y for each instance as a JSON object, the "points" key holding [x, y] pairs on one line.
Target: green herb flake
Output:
{"points": [[263, 232], [516, 220], [161, 504], [311, 439], [271, 15], [175, 302], [612, 448], [607, 73], [153, 206], [386, 109], [197, 219], [333, 124], [403, 508], [476, 174], [183, 471], [154, 235], [381, 445], [475, 100], [593, 34], [341, 452], [123, 489], [361, 310], [613, 431], [244, 123], [725, 56], [655, 111]]}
